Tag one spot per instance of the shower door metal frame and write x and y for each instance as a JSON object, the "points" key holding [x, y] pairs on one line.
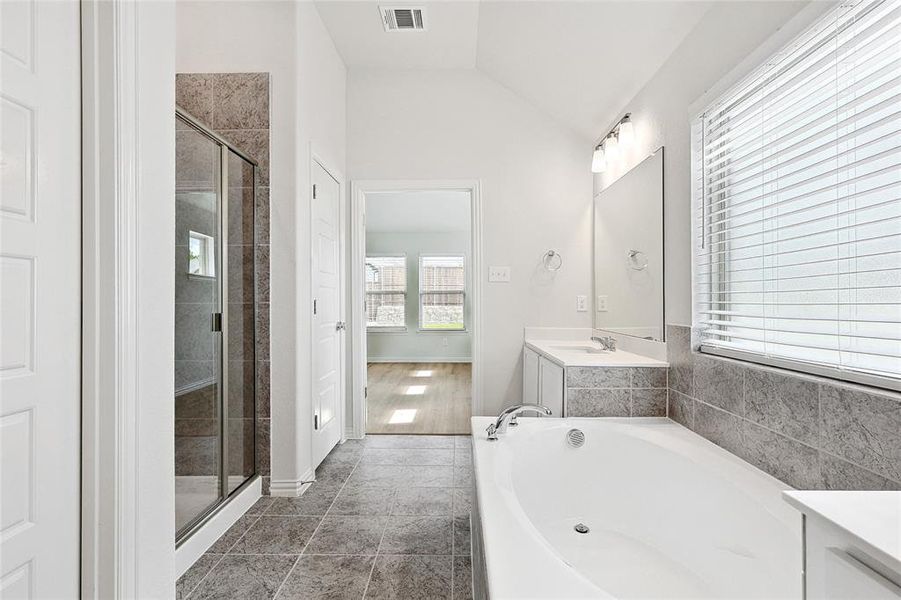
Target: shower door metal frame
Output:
{"points": [[225, 147]]}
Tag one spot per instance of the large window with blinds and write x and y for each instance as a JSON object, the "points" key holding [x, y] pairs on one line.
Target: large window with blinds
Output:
{"points": [[442, 291], [798, 204], [386, 292]]}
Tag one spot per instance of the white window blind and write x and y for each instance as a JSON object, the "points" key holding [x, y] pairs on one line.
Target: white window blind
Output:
{"points": [[442, 281], [386, 292], [799, 211]]}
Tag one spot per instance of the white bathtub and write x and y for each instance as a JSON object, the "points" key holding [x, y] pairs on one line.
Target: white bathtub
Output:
{"points": [[671, 515]]}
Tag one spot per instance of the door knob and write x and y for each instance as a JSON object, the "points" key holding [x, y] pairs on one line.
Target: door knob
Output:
{"points": [[340, 326]]}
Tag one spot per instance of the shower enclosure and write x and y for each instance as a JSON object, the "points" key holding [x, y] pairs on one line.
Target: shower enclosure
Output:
{"points": [[215, 305]]}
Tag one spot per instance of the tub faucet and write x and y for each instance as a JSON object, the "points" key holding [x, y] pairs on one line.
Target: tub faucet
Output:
{"points": [[508, 417], [607, 343]]}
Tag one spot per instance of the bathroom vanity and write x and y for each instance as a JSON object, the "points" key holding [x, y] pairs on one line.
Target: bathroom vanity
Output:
{"points": [[852, 544], [569, 374]]}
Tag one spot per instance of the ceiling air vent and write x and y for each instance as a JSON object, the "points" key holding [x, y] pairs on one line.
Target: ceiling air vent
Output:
{"points": [[397, 18]]}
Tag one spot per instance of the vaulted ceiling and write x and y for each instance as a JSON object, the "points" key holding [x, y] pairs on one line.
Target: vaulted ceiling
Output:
{"points": [[579, 61]]}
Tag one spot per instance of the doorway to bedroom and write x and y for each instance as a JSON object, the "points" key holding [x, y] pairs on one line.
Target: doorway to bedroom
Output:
{"points": [[417, 301]]}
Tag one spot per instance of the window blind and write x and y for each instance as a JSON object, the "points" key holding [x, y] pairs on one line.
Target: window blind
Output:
{"points": [[799, 211], [442, 284], [386, 291]]}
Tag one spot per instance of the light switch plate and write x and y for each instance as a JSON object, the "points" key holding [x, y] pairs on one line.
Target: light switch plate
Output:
{"points": [[602, 304], [499, 274], [581, 303]]}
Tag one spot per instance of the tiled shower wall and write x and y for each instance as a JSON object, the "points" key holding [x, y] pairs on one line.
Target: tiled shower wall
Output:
{"points": [[236, 106], [810, 432]]}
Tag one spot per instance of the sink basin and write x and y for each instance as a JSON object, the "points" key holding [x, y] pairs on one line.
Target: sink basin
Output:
{"points": [[581, 349]]}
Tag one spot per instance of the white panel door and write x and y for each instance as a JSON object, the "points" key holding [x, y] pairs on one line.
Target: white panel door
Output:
{"points": [[40, 299], [327, 332]]}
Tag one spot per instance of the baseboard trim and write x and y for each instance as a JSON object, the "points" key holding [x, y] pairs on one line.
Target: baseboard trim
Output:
{"points": [[290, 488], [419, 360], [187, 553]]}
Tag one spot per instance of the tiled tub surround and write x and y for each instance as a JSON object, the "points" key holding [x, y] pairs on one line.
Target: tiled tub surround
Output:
{"points": [[616, 391], [810, 432], [388, 517], [236, 106]]}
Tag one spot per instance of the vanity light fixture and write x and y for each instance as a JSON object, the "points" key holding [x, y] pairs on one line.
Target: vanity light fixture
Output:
{"points": [[611, 145], [626, 130], [598, 160], [608, 150]]}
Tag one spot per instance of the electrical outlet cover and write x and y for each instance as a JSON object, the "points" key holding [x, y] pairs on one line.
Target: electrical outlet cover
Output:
{"points": [[581, 303], [499, 274]]}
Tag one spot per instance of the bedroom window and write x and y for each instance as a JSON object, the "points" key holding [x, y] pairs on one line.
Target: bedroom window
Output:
{"points": [[386, 292], [798, 204], [441, 293]]}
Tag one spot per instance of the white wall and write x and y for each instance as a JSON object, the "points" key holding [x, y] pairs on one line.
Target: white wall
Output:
{"points": [[414, 345], [321, 128], [128, 317], [726, 41], [535, 190], [307, 100], [154, 566]]}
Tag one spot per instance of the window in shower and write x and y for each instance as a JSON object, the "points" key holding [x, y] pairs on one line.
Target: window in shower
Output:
{"points": [[215, 370], [201, 255]]}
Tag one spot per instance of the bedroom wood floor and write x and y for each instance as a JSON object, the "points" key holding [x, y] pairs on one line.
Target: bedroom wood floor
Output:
{"points": [[419, 398]]}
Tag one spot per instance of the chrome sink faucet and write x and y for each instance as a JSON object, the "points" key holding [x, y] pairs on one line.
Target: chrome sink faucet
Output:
{"points": [[607, 342], [508, 417]]}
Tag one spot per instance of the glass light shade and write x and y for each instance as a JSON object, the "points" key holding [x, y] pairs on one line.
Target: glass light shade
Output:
{"points": [[598, 160], [611, 147], [626, 131]]}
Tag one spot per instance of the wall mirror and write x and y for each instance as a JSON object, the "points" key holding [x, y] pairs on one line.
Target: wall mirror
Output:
{"points": [[628, 252]]}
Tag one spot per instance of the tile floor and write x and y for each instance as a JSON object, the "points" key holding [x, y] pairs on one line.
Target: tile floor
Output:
{"points": [[388, 518]]}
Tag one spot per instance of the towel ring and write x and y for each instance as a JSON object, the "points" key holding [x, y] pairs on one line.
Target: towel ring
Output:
{"points": [[552, 260], [638, 260]]}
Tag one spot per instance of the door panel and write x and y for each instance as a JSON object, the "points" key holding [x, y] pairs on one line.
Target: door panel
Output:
{"points": [[198, 369], [551, 378], [328, 360], [240, 322], [530, 389], [40, 299]]}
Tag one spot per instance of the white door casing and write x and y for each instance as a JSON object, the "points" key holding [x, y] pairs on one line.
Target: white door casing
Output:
{"points": [[40, 299], [328, 335], [359, 189]]}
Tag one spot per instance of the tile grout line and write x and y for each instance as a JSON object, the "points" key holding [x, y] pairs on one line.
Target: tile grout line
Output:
{"points": [[222, 556], [316, 529], [202, 579], [815, 448], [378, 548], [453, 527]]}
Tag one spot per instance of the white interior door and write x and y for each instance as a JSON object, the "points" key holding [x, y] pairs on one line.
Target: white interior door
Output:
{"points": [[328, 328], [40, 298]]}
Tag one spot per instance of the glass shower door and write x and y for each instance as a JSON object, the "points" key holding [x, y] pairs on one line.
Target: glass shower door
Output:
{"points": [[239, 321], [198, 370], [215, 320]]}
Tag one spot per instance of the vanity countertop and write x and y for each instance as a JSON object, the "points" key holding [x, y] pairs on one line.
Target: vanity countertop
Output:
{"points": [[871, 518], [578, 353]]}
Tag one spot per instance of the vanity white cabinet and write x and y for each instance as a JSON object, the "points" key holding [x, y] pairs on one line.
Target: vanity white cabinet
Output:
{"points": [[542, 381], [530, 377], [852, 549], [550, 376], [838, 569]]}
